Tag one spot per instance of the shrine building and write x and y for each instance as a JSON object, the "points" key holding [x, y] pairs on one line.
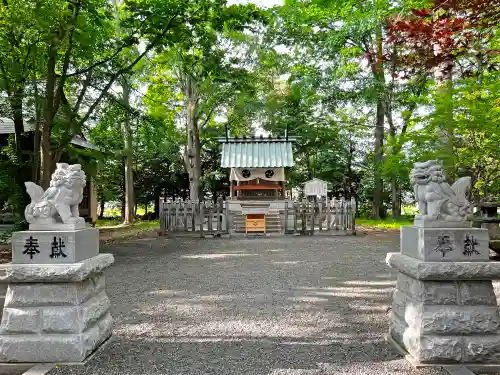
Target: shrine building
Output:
{"points": [[257, 174]]}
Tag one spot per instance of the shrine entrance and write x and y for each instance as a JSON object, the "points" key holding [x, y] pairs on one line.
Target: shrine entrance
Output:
{"points": [[322, 216], [257, 201]]}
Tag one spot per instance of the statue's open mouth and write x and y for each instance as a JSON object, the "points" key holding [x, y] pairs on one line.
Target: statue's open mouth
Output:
{"points": [[421, 176]]}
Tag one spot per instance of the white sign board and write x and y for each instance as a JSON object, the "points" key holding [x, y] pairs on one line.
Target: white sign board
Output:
{"points": [[316, 187]]}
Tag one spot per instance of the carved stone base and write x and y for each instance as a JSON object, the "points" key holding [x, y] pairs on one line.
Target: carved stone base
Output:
{"points": [[446, 321], [55, 321]]}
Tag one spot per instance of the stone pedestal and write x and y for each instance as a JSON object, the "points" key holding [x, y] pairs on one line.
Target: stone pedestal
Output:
{"points": [[445, 244], [54, 247], [54, 312], [444, 309]]}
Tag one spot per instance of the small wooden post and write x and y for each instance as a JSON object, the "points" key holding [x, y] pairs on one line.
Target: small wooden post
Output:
{"points": [[304, 215], [328, 219], [295, 213], [344, 214], [165, 214], [286, 217], [162, 212], [337, 213], [185, 215], [210, 217], [176, 213], [353, 216], [193, 216], [226, 217], [320, 212], [202, 218], [169, 215], [313, 216], [220, 210]]}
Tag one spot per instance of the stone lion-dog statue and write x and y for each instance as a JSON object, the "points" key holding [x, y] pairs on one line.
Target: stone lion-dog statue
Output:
{"points": [[436, 199], [59, 203]]}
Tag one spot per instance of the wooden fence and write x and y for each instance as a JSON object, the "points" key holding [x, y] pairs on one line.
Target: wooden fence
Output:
{"points": [[206, 217], [308, 217], [302, 217]]}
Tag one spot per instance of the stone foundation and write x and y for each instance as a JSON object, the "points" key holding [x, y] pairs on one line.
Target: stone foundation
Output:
{"points": [[47, 321], [445, 312], [438, 321]]}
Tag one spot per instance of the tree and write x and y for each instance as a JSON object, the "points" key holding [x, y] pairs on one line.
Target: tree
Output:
{"points": [[343, 32], [449, 28], [205, 77], [21, 50]]}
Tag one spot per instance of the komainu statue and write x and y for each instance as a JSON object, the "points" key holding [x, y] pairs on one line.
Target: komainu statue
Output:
{"points": [[437, 200], [59, 203]]}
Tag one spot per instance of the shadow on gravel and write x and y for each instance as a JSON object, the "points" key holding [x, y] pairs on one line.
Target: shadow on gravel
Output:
{"points": [[229, 355], [295, 306]]}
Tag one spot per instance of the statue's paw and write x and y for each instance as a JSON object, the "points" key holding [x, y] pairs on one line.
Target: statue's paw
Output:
{"points": [[75, 220]]}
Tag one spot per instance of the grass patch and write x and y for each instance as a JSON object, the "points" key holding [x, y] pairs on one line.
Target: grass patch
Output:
{"points": [[116, 211], [384, 223], [116, 231], [112, 224], [117, 222], [108, 222]]}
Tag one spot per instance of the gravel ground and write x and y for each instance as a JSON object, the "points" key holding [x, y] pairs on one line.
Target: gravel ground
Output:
{"points": [[260, 306]]}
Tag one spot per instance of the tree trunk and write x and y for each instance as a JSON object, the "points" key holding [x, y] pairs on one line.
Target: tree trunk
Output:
{"points": [[396, 206], [192, 157], [45, 157], [395, 190], [157, 205], [378, 74], [102, 206], [16, 105], [310, 173], [129, 216], [349, 183], [35, 169], [378, 182], [123, 207], [46, 163], [445, 128], [23, 170]]}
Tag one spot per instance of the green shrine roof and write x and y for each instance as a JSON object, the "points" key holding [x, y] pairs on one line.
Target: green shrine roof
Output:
{"points": [[257, 152]]}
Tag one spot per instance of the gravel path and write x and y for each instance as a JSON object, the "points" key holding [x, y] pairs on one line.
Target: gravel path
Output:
{"points": [[262, 306]]}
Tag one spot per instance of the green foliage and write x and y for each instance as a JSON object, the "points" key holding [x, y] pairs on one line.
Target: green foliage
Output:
{"points": [[318, 70], [476, 122], [384, 224]]}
